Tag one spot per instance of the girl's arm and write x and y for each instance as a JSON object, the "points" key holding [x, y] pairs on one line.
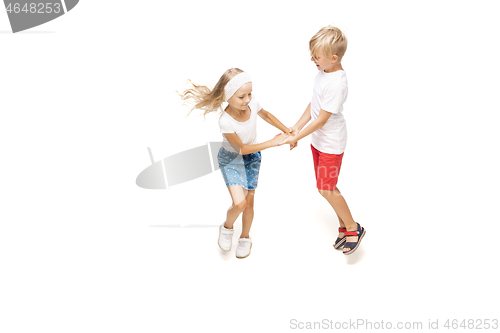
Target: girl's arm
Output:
{"points": [[236, 143], [267, 116]]}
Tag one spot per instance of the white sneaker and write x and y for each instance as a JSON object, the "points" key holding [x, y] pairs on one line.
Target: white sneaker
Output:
{"points": [[243, 249], [225, 238]]}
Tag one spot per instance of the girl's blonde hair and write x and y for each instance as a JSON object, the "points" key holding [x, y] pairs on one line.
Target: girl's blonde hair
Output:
{"points": [[204, 98], [332, 41]]}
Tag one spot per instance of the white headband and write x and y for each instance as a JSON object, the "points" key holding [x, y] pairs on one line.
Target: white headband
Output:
{"points": [[235, 83]]}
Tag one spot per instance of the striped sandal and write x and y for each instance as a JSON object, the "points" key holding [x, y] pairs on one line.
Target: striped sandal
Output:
{"points": [[354, 245], [340, 241]]}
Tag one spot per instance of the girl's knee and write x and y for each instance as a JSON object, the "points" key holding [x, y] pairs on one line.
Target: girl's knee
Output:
{"points": [[249, 200], [241, 206], [249, 205]]}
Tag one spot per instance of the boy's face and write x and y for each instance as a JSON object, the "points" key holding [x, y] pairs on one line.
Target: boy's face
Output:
{"points": [[241, 97], [324, 63]]}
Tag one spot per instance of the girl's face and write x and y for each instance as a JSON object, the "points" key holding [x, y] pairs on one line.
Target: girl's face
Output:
{"points": [[241, 97]]}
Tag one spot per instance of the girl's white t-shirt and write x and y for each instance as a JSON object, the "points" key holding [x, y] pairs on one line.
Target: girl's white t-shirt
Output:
{"points": [[329, 94], [246, 131]]}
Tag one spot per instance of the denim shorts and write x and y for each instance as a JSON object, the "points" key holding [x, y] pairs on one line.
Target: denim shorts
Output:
{"points": [[240, 169]]}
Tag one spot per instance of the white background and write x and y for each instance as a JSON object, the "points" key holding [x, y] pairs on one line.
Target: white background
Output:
{"points": [[83, 249]]}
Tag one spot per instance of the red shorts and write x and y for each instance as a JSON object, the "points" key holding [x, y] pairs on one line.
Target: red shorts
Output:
{"points": [[326, 168]]}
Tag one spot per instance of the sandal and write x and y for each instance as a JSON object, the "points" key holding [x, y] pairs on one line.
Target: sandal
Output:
{"points": [[354, 245], [340, 241]]}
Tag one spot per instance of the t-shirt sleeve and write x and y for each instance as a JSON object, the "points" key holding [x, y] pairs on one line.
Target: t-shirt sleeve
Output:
{"points": [[225, 126], [256, 105], [333, 98]]}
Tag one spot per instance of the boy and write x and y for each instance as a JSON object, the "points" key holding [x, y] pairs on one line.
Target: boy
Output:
{"points": [[328, 129]]}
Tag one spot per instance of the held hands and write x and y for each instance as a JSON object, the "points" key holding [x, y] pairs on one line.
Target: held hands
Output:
{"points": [[294, 131], [278, 139], [289, 138], [286, 138]]}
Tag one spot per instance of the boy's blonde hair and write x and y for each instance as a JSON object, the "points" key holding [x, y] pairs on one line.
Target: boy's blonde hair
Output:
{"points": [[207, 99], [331, 40]]}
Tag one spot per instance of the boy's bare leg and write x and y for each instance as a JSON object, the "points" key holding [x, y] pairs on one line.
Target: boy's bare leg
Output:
{"points": [[339, 205], [238, 195], [342, 225], [341, 222], [247, 215]]}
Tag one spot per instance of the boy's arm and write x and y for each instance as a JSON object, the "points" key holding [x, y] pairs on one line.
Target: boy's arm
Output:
{"points": [[306, 116], [314, 126], [268, 117]]}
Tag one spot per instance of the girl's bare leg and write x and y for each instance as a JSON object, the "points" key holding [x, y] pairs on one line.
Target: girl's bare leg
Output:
{"points": [[248, 215], [239, 204]]}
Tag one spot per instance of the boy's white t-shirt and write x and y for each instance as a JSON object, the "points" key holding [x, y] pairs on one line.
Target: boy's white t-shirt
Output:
{"points": [[329, 94], [246, 131]]}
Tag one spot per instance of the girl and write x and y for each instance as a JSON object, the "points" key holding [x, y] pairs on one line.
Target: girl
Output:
{"points": [[239, 157]]}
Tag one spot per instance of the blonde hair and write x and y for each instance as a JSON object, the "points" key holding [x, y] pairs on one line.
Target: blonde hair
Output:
{"points": [[206, 99], [331, 40]]}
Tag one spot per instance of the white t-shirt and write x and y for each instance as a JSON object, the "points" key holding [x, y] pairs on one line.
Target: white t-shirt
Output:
{"points": [[246, 131], [329, 94]]}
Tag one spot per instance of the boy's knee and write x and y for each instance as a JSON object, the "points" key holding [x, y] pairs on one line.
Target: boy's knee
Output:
{"points": [[324, 193], [327, 193]]}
